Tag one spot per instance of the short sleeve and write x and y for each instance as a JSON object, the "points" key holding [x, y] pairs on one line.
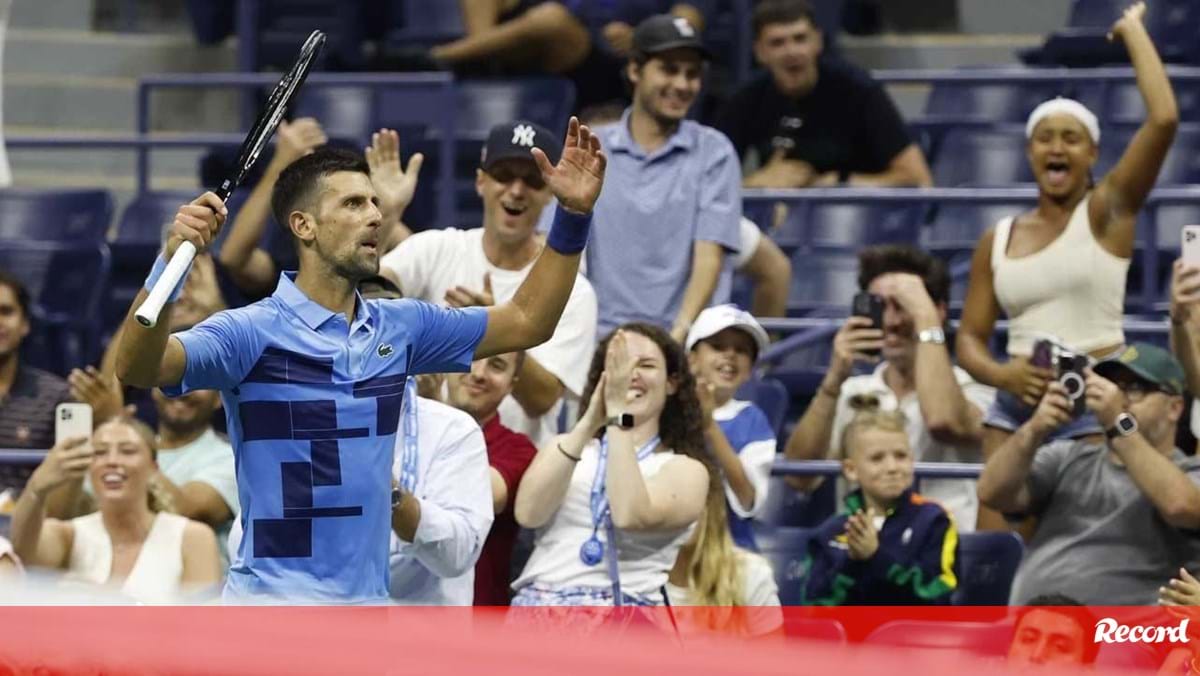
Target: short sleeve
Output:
{"points": [[749, 236], [444, 339], [757, 455], [720, 204], [218, 352], [1044, 475], [511, 460], [883, 128]]}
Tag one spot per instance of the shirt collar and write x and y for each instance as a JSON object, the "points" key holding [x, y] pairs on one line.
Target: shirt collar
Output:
{"points": [[309, 311], [623, 141], [729, 410], [855, 501]]}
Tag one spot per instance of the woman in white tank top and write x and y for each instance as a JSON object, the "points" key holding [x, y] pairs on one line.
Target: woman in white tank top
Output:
{"points": [[148, 555], [1060, 269], [634, 468]]}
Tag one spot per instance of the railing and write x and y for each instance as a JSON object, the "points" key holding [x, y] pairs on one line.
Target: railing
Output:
{"points": [[922, 470]]}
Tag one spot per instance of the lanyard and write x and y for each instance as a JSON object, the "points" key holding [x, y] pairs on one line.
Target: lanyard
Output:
{"points": [[408, 456]]}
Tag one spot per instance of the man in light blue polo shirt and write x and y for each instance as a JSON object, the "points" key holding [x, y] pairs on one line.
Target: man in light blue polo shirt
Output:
{"points": [[671, 205], [312, 377]]}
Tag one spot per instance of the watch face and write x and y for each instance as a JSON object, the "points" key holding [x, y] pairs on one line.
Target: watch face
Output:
{"points": [[1126, 424]]}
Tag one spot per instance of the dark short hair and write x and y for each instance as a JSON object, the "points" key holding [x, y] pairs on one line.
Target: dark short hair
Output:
{"points": [[770, 12], [1068, 607], [298, 180], [18, 289], [874, 261]]}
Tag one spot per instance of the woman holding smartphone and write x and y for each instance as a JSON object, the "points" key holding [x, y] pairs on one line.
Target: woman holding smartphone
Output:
{"points": [[133, 543], [1059, 270], [614, 499]]}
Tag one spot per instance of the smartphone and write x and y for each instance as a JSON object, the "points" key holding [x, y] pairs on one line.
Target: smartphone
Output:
{"points": [[72, 420], [1190, 239], [869, 305]]}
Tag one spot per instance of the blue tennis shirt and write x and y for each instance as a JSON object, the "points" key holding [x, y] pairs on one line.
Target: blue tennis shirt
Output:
{"points": [[313, 408]]}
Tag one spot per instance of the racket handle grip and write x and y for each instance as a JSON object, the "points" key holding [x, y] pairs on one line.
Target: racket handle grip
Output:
{"points": [[147, 313]]}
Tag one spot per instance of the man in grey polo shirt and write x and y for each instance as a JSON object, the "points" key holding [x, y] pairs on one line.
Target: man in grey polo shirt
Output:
{"points": [[671, 209], [1116, 520]]}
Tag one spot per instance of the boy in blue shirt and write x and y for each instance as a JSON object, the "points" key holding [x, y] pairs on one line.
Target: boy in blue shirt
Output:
{"points": [[891, 546], [723, 344]]}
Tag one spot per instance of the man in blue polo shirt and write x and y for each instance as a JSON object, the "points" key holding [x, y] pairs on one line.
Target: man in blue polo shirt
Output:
{"points": [[673, 200], [312, 377]]}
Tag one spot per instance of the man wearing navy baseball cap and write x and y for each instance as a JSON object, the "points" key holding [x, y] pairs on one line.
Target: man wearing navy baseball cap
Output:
{"points": [[485, 265], [1117, 516], [673, 211]]}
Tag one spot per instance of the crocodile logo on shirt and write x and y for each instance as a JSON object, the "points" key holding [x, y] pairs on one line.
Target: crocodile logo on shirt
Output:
{"points": [[385, 350]]}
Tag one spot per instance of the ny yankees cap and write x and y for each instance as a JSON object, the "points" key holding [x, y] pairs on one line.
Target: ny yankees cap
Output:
{"points": [[663, 32], [515, 139]]}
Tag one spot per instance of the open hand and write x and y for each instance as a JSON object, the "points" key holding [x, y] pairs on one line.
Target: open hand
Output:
{"points": [[461, 296], [861, 536], [577, 179], [1131, 17], [394, 184], [1183, 590]]}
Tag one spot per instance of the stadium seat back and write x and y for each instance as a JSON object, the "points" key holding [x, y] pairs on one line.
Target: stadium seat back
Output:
{"points": [[770, 395], [987, 564], [982, 157], [822, 281], [787, 550], [55, 215], [1003, 102]]}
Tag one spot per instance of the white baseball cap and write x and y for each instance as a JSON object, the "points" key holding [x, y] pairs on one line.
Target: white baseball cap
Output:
{"points": [[716, 319]]}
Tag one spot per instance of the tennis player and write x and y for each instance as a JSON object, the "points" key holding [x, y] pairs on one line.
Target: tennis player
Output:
{"points": [[312, 377]]}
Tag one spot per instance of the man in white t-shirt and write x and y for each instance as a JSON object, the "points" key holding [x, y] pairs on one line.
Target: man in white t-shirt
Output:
{"points": [[915, 373], [485, 265]]}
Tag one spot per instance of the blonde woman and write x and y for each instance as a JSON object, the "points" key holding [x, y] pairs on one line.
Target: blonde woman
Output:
{"points": [[735, 586], [132, 543], [891, 546]]}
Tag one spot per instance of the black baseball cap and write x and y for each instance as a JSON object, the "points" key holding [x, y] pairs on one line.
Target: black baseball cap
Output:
{"points": [[663, 32], [514, 140]]}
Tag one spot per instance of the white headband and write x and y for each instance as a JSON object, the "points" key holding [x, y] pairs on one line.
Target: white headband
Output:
{"points": [[1069, 106]]}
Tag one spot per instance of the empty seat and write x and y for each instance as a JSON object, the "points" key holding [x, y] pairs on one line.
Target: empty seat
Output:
{"points": [[787, 507], [846, 225], [956, 228], [787, 550], [1001, 102], [1123, 102], [1181, 165], [982, 157], [49, 215], [987, 563], [424, 23], [822, 281]]}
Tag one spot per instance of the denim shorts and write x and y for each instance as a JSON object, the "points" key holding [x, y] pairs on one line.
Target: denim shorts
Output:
{"points": [[1008, 413]]}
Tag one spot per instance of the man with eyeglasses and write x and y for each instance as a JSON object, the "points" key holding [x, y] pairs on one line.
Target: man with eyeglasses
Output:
{"points": [[1115, 519], [484, 266]]}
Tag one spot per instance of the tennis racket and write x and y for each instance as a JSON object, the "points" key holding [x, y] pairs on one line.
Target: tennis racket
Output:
{"points": [[263, 129]]}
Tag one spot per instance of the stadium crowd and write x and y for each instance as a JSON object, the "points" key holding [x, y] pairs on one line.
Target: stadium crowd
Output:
{"points": [[537, 423]]}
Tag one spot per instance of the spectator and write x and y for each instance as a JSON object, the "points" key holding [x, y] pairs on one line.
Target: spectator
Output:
{"points": [[1185, 330], [440, 508], [585, 41], [479, 393], [1058, 635], [134, 539], [1060, 269], [736, 587], [28, 395], [1115, 518], [644, 480], [10, 565], [942, 406], [814, 120], [483, 266], [671, 210], [1182, 590], [765, 264], [892, 546], [255, 269], [722, 347]]}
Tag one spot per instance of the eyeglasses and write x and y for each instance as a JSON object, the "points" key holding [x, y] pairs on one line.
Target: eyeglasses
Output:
{"points": [[1136, 389]]}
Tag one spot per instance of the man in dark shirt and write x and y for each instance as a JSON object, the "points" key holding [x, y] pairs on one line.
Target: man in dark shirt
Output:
{"points": [[27, 395], [814, 121], [479, 393]]}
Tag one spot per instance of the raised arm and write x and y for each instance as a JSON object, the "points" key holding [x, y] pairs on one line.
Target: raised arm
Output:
{"points": [[39, 541], [250, 266], [145, 357], [530, 317], [1123, 191], [394, 184], [1004, 484]]}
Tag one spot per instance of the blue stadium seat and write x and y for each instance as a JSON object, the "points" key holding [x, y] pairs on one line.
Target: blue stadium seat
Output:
{"points": [[822, 281], [770, 395], [985, 102], [55, 215], [66, 283], [787, 507], [987, 563], [1123, 103], [982, 157], [786, 549], [846, 226], [424, 23], [974, 638], [956, 228], [1181, 166]]}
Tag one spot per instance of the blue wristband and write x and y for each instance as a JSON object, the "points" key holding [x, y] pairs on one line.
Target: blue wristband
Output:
{"points": [[160, 265], [569, 232]]}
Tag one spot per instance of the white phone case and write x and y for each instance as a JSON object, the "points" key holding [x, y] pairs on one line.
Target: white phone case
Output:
{"points": [[72, 420], [1190, 238]]}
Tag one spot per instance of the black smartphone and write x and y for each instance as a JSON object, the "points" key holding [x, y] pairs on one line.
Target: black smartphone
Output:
{"points": [[869, 305]]}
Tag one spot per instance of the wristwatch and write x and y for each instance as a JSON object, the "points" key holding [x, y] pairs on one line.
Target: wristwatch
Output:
{"points": [[1123, 426], [623, 420], [396, 497], [936, 335]]}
